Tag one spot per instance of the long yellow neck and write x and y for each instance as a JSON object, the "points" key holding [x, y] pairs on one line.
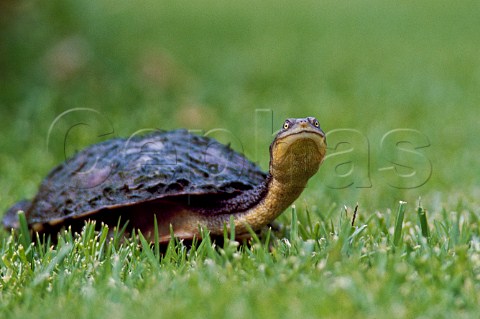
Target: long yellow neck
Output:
{"points": [[279, 196], [293, 160]]}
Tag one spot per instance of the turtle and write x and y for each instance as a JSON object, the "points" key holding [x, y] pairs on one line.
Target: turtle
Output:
{"points": [[186, 181]]}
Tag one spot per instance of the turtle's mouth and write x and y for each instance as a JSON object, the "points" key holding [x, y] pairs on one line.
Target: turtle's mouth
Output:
{"points": [[298, 140], [305, 134]]}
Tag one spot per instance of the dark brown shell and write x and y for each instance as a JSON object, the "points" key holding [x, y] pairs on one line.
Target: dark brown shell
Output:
{"points": [[122, 172]]}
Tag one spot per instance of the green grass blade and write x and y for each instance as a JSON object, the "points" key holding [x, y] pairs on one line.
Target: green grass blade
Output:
{"points": [[422, 216], [26, 239], [267, 237], [147, 251], [356, 233], [294, 225], [232, 228], [252, 233], [156, 237], [56, 260], [397, 235]]}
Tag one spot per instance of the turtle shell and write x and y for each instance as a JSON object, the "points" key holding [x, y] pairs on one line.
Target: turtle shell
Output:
{"points": [[126, 172]]}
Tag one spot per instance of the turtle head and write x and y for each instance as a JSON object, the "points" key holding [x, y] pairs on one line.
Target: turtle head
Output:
{"points": [[297, 151]]}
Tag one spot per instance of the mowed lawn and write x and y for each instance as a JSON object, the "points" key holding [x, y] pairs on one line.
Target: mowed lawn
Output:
{"points": [[396, 87]]}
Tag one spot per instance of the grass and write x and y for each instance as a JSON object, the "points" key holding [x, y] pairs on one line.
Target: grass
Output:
{"points": [[367, 66], [326, 269]]}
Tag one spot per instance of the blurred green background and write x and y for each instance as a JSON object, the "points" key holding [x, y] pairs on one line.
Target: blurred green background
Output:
{"points": [[369, 66]]}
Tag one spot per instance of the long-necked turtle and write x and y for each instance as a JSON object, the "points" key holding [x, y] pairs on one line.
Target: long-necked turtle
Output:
{"points": [[186, 181]]}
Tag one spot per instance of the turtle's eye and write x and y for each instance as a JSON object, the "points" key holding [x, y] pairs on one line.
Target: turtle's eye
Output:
{"points": [[286, 125], [314, 122]]}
